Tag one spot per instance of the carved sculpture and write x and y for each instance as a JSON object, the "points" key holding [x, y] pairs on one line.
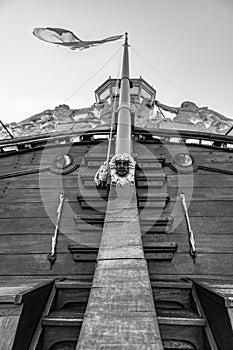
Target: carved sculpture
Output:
{"points": [[122, 169], [102, 175], [201, 117]]}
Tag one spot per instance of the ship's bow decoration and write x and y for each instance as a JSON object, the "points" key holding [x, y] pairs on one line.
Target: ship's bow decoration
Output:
{"points": [[63, 118], [101, 176], [122, 170], [191, 117]]}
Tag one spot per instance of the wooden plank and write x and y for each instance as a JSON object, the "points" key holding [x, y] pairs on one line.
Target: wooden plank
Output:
{"points": [[204, 225], [39, 328], [208, 331], [218, 318], [120, 311], [8, 328], [37, 243], [37, 195], [202, 208], [17, 293], [204, 193], [45, 154], [201, 180], [183, 264], [34, 302], [163, 149], [218, 169], [45, 226], [38, 209], [24, 226], [208, 243], [38, 265], [196, 208], [8, 293], [43, 180]]}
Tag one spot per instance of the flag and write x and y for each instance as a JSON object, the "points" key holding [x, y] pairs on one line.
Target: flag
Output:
{"points": [[65, 37]]}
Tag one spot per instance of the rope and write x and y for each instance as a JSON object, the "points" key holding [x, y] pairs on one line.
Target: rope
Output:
{"points": [[162, 75], [102, 173], [87, 81], [160, 110], [193, 251], [113, 114], [52, 255]]}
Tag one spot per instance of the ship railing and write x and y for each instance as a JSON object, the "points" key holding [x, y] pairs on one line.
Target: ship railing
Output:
{"points": [[95, 136]]}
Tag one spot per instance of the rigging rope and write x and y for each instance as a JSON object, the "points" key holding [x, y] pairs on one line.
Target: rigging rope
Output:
{"points": [[87, 81], [103, 171], [162, 75], [113, 113]]}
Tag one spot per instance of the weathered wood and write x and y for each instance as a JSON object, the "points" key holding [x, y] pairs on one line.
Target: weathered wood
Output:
{"points": [[21, 226], [37, 243], [38, 209], [38, 195], [72, 292], [121, 297], [183, 264], [38, 265], [61, 328], [204, 193], [204, 225], [205, 243], [191, 336], [217, 317], [34, 301], [36, 335], [201, 180], [48, 194], [8, 327], [208, 331], [205, 169], [203, 208]]}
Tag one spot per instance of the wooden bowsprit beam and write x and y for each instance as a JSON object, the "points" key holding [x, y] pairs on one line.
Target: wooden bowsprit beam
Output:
{"points": [[120, 313]]}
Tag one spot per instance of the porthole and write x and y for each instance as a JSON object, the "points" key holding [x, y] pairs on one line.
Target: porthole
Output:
{"points": [[183, 163], [63, 161], [63, 164], [183, 160]]}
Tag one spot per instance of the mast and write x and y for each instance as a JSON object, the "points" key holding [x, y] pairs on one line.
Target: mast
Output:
{"points": [[120, 312], [123, 137]]}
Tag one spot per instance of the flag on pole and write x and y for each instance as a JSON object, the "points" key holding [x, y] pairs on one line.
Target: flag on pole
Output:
{"points": [[66, 38]]}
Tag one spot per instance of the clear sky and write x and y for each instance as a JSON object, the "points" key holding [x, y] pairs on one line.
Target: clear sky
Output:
{"points": [[184, 48]]}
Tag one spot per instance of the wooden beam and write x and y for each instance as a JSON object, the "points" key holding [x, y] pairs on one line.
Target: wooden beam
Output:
{"points": [[120, 311]]}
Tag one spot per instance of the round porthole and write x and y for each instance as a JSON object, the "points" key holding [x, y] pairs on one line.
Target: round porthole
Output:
{"points": [[63, 161], [183, 160], [183, 163], [63, 164]]}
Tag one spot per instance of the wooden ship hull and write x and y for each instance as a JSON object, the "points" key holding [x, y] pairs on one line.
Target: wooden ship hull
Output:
{"points": [[145, 266]]}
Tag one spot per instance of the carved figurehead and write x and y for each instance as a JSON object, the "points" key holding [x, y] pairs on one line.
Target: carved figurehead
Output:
{"points": [[122, 168]]}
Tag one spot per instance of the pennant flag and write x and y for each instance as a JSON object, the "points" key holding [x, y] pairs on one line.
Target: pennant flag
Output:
{"points": [[65, 37]]}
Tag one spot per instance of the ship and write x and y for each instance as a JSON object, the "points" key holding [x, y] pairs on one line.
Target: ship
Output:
{"points": [[116, 225]]}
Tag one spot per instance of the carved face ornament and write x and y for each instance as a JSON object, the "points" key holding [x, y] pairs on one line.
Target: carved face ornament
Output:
{"points": [[122, 167]]}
